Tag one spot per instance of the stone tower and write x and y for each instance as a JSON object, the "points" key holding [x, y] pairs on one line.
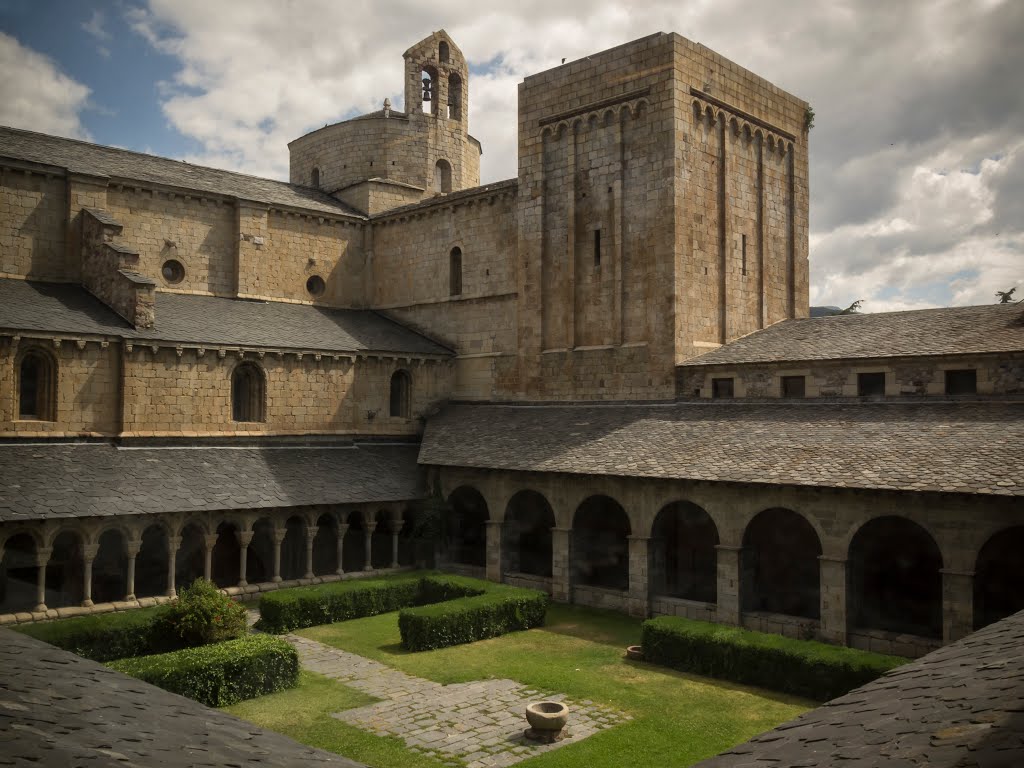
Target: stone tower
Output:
{"points": [[390, 158]]}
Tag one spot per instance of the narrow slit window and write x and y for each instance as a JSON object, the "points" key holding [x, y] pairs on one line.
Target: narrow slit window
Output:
{"points": [[401, 395], [455, 272], [597, 247], [743, 253]]}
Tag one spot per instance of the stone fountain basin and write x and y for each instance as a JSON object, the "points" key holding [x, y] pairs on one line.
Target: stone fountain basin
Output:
{"points": [[547, 715]]}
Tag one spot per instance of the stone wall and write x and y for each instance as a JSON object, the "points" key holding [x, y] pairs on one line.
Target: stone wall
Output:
{"points": [[32, 232]]}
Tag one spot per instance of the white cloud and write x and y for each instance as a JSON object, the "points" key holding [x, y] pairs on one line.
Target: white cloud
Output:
{"points": [[35, 94]]}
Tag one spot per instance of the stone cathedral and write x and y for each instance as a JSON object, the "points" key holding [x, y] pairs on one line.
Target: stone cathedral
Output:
{"points": [[602, 372]]}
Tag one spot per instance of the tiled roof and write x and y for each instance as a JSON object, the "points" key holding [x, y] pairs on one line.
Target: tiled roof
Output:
{"points": [[58, 709], [59, 480], [961, 706], [66, 308], [94, 159], [949, 331], [973, 447]]}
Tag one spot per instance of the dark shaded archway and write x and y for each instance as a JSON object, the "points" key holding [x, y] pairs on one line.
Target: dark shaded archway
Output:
{"points": [[151, 563], [354, 546], [227, 556], [65, 571], [293, 549], [526, 534], [600, 544], [999, 577], [895, 579], [781, 573], [683, 556], [190, 560], [465, 527], [380, 541], [259, 556], [325, 545], [110, 568], [19, 574]]}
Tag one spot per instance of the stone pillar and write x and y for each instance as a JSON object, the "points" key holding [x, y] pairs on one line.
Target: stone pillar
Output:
{"points": [[729, 559], [310, 535], [42, 558], [396, 528], [133, 551], [279, 534], [342, 530], [369, 528], [244, 538], [88, 555], [639, 602], [493, 549], [210, 542], [833, 599], [957, 604], [561, 564], [173, 543]]}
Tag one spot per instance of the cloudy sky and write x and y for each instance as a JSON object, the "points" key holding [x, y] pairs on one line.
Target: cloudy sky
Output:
{"points": [[917, 154]]}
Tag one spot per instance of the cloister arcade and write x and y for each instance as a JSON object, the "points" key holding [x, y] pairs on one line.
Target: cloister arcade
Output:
{"points": [[58, 568], [891, 572]]}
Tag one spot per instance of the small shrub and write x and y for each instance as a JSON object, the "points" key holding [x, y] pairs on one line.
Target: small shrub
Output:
{"points": [[202, 614], [221, 674], [465, 620], [801, 667], [107, 636]]}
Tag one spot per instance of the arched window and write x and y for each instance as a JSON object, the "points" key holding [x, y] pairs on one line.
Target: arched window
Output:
{"points": [[443, 176], [37, 386], [401, 390], [315, 178], [454, 97], [429, 77], [247, 393], [442, 52], [455, 272]]}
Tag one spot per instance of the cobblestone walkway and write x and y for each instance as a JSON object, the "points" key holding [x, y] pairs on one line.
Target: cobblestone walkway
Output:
{"points": [[478, 724]]}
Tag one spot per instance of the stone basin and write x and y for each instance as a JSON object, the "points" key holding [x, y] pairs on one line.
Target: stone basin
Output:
{"points": [[635, 652], [546, 719]]}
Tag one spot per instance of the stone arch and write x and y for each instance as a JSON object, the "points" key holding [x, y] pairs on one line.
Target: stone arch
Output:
{"points": [[19, 573], [227, 555], [110, 567], [600, 543], [698, 111], [465, 527], [380, 540], [895, 579], [999, 577], [354, 545], [314, 178], [400, 394], [65, 570], [293, 548], [684, 561], [454, 96], [190, 559], [259, 555], [429, 94], [151, 563], [442, 177], [442, 52], [325, 545], [36, 370], [526, 534], [780, 569], [248, 393]]}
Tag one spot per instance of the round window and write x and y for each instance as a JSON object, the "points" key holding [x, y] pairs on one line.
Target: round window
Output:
{"points": [[316, 286], [173, 271]]}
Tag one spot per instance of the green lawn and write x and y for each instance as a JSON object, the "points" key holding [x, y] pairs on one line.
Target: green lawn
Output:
{"points": [[678, 720]]}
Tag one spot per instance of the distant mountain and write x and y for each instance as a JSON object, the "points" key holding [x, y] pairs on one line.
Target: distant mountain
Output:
{"points": [[825, 311]]}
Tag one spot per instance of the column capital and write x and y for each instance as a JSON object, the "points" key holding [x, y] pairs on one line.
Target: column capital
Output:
{"points": [[211, 540], [311, 531], [90, 551], [342, 529], [43, 555], [370, 527], [174, 542], [244, 538], [279, 534]]}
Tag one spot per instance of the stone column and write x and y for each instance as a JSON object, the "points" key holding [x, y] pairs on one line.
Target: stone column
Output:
{"points": [[210, 542], [561, 564], [638, 603], [833, 599], [493, 550], [42, 558], [957, 604], [310, 535], [396, 528], [244, 538], [173, 544], [369, 528], [88, 555], [279, 534], [729, 559], [342, 530], [133, 551]]}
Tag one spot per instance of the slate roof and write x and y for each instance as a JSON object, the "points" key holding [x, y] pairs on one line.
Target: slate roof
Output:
{"points": [[961, 706], [97, 160], [58, 709], [67, 308], [60, 480], [947, 331], [973, 447]]}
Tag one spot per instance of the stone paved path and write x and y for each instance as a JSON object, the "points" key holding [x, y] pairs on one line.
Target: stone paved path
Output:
{"points": [[478, 724]]}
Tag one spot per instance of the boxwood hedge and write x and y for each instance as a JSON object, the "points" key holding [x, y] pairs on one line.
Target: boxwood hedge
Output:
{"points": [[107, 636], [220, 674], [801, 667]]}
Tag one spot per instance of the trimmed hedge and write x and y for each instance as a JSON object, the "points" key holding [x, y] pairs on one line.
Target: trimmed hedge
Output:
{"points": [[465, 620], [801, 667], [107, 636], [220, 674]]}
